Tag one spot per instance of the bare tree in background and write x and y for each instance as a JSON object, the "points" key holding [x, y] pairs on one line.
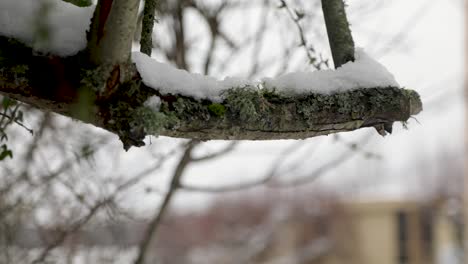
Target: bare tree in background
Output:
{"points": [[55, 183]]}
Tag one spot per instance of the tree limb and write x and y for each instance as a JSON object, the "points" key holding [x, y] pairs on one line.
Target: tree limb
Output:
{"points": [[55, 84]]}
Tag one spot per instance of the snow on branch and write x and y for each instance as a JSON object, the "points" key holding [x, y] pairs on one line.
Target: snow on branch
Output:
{"points": [[153, 98], [48, 26], [364, 72], [247, 112]]}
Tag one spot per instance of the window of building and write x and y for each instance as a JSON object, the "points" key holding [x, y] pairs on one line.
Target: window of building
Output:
{"points": [[402, 236]]}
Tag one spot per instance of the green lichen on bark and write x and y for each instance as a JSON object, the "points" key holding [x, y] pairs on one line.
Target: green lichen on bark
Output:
{"points": [[217, 109], [262, 114], [54, 84], [15, 70], [153, 122], [244, 105], [95, 78], [117, 112]]}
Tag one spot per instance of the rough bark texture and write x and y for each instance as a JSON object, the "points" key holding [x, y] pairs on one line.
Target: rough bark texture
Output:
{"points": [[146, 42], [112, 30], [57, 84], [100, 86], [339, 34]]}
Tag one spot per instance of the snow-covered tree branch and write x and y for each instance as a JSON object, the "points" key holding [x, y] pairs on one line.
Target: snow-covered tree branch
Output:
{"points": [[98, 84]]}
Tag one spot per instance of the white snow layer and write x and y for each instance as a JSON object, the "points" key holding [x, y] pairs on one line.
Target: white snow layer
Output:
{"points": [[364, 72], [154, 103], [66, 25], [48, 26], [169, 80]]}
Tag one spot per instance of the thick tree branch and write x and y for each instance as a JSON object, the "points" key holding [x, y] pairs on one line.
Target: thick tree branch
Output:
{"points": [[339, 34], [52, 83]]}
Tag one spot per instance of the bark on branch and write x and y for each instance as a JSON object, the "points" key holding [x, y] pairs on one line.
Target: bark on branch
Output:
{"points": [[146, 41], [339, 34], [112, 30], [57, 84]]}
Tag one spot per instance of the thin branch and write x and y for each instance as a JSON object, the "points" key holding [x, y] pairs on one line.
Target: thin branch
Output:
{"points": [[247, 185], [145, 173], [410, 24], [146, 41], [17, 122], [225, 189], [230, 147], [212, 18], [316, 173], [93, 209], [296, 17], [71, 229], [274, 172], [339, 35], [174, 186], [259, 39], [357, 147]]}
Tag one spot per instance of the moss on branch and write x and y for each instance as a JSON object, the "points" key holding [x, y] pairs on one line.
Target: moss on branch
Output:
{"points": [[245, 113], [254, 114]]}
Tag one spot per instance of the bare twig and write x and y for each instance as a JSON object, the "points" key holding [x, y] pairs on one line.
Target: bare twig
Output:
{"points": [[316, 173], [71, 229], [212, 18], [258, 41], [174, 186], [268, 179], [93, 209], [311, 52], [230, 147], [17, 122], [357, 147], [247, 185]]}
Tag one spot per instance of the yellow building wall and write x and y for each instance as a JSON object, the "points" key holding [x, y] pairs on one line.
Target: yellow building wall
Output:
{"points": [[376, 236]]}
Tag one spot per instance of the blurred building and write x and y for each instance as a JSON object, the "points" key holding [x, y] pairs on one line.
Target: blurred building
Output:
{"points": [[371, 232], [404, 233], [275, 231]]}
